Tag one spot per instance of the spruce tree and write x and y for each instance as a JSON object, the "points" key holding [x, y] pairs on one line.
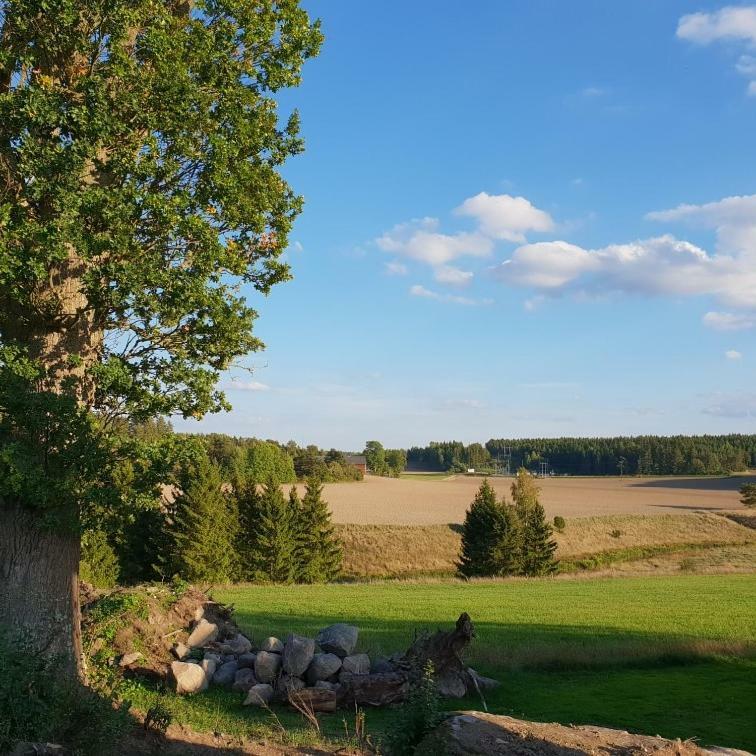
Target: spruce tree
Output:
{"points": [[204, 528], [538, 546], [490, 537], [272, 532], [320, 553]]}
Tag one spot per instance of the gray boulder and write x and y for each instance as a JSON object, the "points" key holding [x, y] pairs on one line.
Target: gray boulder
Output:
{"points": [[204, 632], [226, 674], [247, 661], [286, 685], [381, 665], [128, 659], [244, 680], [189, 678], [267, 666], [237, 645], [358, 664], [259, 695], [181, 650], [208, 667], [216, 657], [272, 645], [326, 685], [322, 667], [339, 639], [297, 654]]}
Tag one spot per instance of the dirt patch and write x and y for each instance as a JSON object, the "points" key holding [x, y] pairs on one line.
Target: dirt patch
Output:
{"points": [[476, 733]]}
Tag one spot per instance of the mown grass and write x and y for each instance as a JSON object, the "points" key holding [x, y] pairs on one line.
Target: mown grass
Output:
{"points": [[668, 656]]}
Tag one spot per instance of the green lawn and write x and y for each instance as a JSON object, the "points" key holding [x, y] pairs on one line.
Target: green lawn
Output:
{"points": [[669, 656]]}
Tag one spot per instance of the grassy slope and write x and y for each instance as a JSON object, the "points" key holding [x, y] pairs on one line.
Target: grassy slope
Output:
{"points": [[655, 626], [396, 550]]}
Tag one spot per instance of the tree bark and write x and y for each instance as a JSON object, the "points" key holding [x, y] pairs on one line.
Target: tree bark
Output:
{"points": [[39, 588]]}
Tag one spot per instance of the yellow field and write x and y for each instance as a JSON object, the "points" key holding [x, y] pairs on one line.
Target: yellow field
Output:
{"points": [[428, 501]]}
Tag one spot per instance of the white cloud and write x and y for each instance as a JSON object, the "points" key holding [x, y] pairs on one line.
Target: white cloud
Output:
{"points": [[420, 240], [733, 24], [395, 268], [733, 354], [728, 321], [421, 291], [729, 23], [593, 92], [501, 216], [235, 385], [447, 274], [661, 266]]}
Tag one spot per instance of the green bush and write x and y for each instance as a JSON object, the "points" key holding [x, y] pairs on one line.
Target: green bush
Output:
{"points": [[39, 704], [559, 524], [419, 716], [748, 494], [99, 563]]}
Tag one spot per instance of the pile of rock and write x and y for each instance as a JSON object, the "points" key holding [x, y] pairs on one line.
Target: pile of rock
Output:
{"points": [[321, 673]]}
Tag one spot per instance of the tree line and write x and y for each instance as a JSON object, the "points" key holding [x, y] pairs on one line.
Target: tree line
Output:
{"points": [[629, 455]]}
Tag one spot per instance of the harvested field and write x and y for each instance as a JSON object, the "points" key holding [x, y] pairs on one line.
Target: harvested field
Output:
{"points": [[431, 501], [412, 551]]}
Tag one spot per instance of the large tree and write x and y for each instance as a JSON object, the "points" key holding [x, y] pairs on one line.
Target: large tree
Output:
{"points": [[140, 148]]}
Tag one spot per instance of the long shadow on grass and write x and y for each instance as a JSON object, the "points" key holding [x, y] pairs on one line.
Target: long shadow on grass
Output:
{"points": [[697, 484]]}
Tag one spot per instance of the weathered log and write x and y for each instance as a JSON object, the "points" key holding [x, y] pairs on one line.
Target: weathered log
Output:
{"points": [[379, 689], [315, 699]]}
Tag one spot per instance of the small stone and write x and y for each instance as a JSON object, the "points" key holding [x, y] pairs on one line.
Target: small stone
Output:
{"points": [[297, 655], [259, 695], [288, 684], [267, 666], [322, 667], [128, 659], [272, 645], [339, 639], [244, 680], [181, 650], [189, 678], [204, 632], [226, 674], [214, 656], [246, 661], [209, 666], [237, 645]]}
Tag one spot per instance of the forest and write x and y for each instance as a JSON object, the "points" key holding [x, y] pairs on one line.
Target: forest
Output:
{"points": [[630, 455]]}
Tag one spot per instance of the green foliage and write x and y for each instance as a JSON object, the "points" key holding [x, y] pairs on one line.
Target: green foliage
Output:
{"points": [[38, 704], [158, 718], [490, 537], [536, 544], [641, 455], [204, 521], [387, 462], [99, 564], [748, 494], [559, 523], [319, 551], [419, 715]]}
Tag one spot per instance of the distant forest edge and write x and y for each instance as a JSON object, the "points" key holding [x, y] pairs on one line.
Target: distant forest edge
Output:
{"points": [[629, 455]]}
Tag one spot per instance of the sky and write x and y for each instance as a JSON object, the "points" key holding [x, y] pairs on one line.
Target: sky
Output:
{"points": [[521, 219]]}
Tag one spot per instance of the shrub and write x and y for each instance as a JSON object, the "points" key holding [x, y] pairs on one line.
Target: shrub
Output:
{"points": [[420, 715], [99, 563], [559, 524], [616, 533], [748, 494], [39, 704]]}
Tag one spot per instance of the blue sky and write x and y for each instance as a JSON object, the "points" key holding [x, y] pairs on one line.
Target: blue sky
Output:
{"points": [[522, 219]]}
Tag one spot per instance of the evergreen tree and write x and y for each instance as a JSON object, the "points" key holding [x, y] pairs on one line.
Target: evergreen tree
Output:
{"points": [[271, 532], [205, 525], [748, 494], [538, 546], [490, 537], [524, 493], [320, 552]]}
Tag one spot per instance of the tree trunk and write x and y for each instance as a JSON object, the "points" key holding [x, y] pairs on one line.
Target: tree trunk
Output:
{"points": [[39, 588]]}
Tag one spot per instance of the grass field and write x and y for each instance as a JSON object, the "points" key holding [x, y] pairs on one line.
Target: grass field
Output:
{"points": [[411, 551], [668, 656], [441, 500]]}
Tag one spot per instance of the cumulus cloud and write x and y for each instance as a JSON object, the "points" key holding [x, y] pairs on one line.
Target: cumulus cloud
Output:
{"points": [[421, 291], [733, 354], [447, 274], [235, 385], [501, 216], [728, 321], [661, 266], [420, 240], [733, 24], [729, 23]]}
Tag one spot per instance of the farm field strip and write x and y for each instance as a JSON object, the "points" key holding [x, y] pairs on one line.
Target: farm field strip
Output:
{"points": [[413, 500]]}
